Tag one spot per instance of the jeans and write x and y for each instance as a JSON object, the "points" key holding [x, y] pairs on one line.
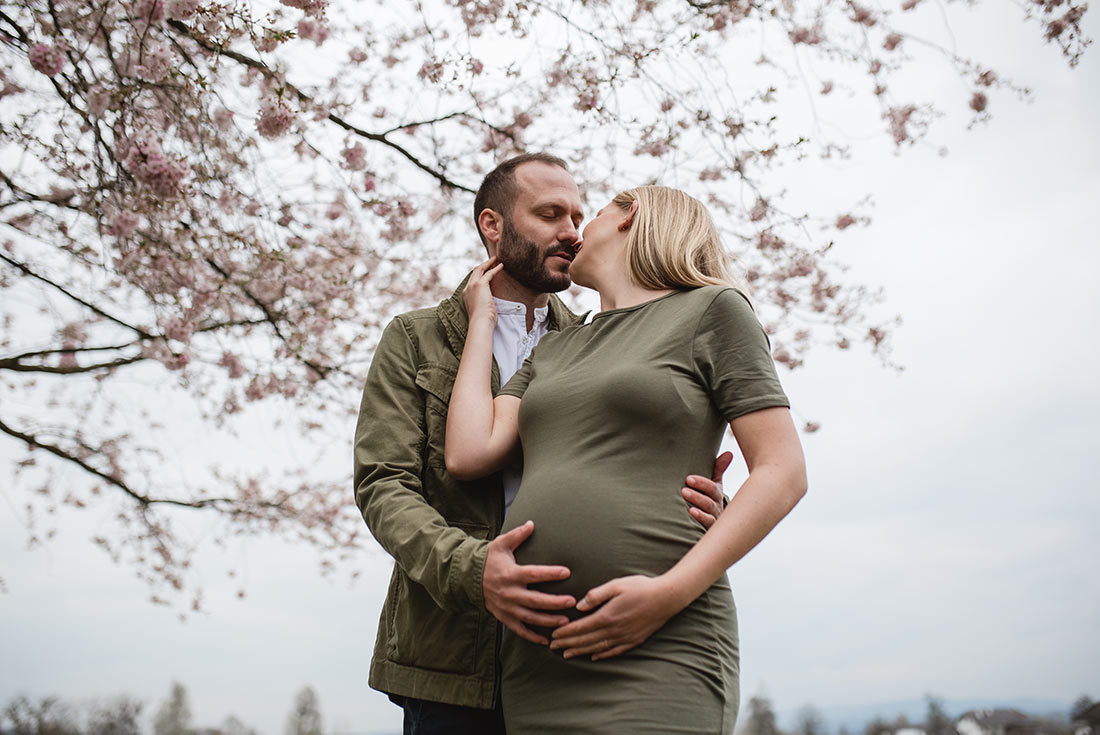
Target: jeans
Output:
{"points": [[435, 718]]}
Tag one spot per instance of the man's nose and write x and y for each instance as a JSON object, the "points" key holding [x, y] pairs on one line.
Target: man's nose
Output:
{"points": [[569, 234]]}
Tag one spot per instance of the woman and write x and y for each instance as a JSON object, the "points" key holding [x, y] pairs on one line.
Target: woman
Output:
{"points": [[613, 414]]}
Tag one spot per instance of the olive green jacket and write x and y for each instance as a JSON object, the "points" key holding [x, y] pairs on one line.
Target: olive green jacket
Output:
{"points": [[435, 639]]}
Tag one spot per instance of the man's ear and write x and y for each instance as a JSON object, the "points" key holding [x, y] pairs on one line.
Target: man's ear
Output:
{"points": [[491, 225], [628, 220]]}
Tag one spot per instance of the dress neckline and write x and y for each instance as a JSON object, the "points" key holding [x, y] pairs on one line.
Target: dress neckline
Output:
{"points": [[635, 307]]}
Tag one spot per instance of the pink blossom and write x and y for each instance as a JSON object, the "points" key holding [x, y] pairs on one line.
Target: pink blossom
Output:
{"points": [[182, 9], [355, 157], [876, 66], [810, 427], [150, 11], [910, 4], [987, 78], [522, 120], [269, 41], [313, 8], [47, 59], [655, 148], [233, 364], [899, 120], [475, 66], [808, 36], [358, 56], [124, 224], [336, 210], [863, 16], [223, 118], [369, 183], [275, 118], [826, 87], [759, 211], [178, 329], [147, 163], [311, 30], [978, 102], [156, 61], [892, 41], [99, 100], [845, 221], [667, 104], [431, 71]]}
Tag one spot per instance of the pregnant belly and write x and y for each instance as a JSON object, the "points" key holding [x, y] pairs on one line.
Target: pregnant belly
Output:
{"points": [[599, 540]]}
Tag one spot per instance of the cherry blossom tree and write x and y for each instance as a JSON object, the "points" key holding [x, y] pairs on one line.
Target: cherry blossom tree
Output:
{"points": [[227, 199]]}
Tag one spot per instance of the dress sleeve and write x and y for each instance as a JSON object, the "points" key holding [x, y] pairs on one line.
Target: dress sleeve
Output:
{"points": [[517, 384], [732, 356]]}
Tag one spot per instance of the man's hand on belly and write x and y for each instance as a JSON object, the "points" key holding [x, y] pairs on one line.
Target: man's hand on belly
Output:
{"points": [[507, 597]]}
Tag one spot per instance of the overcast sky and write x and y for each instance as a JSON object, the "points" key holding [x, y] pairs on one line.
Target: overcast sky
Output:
{"points": [[949, 540]]}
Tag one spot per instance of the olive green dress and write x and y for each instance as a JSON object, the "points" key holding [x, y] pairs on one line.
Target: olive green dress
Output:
{"points": [[615, 414]]}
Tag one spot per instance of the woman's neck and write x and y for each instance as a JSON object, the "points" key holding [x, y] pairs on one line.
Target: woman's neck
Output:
{"points": [[622, 292]]}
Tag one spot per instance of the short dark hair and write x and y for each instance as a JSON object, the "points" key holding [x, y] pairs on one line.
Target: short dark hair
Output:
{"points": [[498, 190]]}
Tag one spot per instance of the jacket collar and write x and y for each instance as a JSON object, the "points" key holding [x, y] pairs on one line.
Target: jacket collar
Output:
{"points": [[452, 312]]}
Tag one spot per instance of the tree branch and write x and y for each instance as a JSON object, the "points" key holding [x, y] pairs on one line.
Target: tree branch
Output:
{"points": [[95, 309], [258, 65]]}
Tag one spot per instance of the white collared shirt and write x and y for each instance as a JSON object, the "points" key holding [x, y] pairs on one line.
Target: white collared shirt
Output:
{"points": [[512, 344]]}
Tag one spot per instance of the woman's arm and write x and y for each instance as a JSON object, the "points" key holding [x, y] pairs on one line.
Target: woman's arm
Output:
{"points": [[481, 431], [634, 607]]}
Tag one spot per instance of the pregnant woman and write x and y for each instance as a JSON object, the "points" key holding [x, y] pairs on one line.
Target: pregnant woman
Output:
{"points": [[613, 413]]}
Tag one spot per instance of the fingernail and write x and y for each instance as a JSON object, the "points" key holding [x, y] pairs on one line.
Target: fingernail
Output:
{"points": [[567, 655]]}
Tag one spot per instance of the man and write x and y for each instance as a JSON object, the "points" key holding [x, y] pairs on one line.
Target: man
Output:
{"points": [[436, 650]]}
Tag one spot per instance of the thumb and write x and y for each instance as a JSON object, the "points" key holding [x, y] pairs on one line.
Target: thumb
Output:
{"points": [[720, 465], [597, 596], [516, 536]]}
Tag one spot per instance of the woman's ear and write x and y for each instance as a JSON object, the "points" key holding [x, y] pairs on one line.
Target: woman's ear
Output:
{"points": [[629, 219], [491, 225]]}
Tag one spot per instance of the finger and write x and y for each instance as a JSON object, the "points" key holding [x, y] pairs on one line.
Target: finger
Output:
{"points": [[493, 271], [590, 648], [541, 601], [705, 519], [515, 537], [721, 463], [705, 501], [524, 632], [706, 486], [613, 652], [529, 616], [536, 573], [597, 596]]}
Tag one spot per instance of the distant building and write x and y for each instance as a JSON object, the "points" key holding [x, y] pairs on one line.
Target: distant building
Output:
{"points": [[1087, 722], [999, 722]]}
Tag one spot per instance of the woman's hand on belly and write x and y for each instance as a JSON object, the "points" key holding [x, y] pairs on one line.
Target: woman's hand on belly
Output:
{"points": [[630, 610]]}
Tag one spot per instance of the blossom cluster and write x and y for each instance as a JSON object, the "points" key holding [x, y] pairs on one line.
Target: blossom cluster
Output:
{"points": [[46, 58], [148, 163]]}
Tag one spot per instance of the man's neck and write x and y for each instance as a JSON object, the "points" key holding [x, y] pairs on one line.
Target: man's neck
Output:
{"points": [[505, 287]]}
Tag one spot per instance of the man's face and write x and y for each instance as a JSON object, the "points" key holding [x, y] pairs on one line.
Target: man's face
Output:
{"points": [[536, 244]]}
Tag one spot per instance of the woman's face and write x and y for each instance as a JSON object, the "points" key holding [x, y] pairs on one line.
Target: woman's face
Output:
{"points": [[596, 246]]}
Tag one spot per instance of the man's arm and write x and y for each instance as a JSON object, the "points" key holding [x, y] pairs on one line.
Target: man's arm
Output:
{"points": [[455, 569], [389, 438]]}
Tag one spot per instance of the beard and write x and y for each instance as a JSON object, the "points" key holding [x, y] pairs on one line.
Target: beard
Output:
{"points": [[525, 263]]}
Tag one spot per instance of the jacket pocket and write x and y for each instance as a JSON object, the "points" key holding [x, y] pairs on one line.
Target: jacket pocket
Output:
{"points": [[426, 636], [436, 380]]}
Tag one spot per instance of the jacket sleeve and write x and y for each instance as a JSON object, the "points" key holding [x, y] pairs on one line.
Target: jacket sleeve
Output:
{"points": [[389, 442]]}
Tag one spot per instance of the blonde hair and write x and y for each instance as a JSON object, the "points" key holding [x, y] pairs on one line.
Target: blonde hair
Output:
{"points": [[672, 242]]}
